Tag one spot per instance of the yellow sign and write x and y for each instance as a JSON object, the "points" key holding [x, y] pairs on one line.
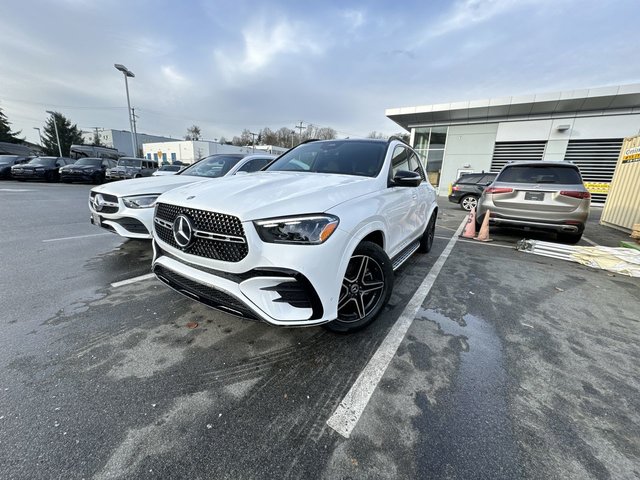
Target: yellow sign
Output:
{"points": [[632, 153], [597, 187], [159, 154]]}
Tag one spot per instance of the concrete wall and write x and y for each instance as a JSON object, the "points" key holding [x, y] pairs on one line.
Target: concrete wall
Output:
{"points": [[468, 147]]}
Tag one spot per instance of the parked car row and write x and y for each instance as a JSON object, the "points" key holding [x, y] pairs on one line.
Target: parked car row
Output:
{"points": [[86, 169], [312, 238]]}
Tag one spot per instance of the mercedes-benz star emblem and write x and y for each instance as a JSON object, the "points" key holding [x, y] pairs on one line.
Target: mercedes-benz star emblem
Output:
{"points": [[182, 231], [98, 202]]}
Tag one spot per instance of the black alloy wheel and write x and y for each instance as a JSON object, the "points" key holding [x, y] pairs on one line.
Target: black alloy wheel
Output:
{"points": [[468, 202], [366, 288]]}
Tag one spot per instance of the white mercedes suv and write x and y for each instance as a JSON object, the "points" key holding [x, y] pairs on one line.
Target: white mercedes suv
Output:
{"points": [[312, 239]]}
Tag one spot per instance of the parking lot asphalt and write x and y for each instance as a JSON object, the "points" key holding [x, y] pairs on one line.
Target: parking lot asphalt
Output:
{"points": [[513, 365]]}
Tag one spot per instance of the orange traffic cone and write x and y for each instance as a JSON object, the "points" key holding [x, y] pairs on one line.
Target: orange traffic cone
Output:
{"points": [[483, 235], [470, 227]]}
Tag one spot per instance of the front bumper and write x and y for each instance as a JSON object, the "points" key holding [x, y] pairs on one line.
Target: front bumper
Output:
{"points": [[283, 285], [126, 222], [29, 175], [78, 177]]}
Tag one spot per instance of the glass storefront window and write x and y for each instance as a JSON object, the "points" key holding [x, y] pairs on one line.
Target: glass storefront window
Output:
{"points": [[438, 137], [430, 143], [421, 138]]}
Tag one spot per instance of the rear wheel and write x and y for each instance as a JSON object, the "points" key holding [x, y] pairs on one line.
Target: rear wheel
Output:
{"points": [[365, 289], [426, 241], [468, 202]]}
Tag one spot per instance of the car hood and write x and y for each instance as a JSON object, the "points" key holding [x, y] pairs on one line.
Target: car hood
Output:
{"points": [[272, 194], [79, 167], [142, 186], [33, 167]]}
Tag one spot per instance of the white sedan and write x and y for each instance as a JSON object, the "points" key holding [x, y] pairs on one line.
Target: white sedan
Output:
{"points": [[126, 207], [167, 170]]}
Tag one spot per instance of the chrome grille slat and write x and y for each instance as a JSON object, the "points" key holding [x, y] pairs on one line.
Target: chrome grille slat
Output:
{"points": [[217, 236]]}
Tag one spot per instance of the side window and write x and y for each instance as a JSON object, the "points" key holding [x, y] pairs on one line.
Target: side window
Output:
{"points": [[399, 161], [416, 166], [254, 165], [105, 163]]}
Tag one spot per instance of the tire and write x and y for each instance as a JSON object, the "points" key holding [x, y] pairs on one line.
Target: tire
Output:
{"points": [[468, 202], [570, 238], [365, 290], [137, 176], [426, 241]]}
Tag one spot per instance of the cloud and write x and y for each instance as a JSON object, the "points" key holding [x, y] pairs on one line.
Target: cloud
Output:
{"points": [[174, 77], [264, 43], [467, 13], [354, 18]]}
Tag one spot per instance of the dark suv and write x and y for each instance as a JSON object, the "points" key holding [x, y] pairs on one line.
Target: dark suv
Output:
{"points": [[469, 187]]}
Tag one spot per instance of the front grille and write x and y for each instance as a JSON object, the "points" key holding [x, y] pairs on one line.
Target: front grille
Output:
{"points": [[107, 198], [205, 221], [203, 293]]}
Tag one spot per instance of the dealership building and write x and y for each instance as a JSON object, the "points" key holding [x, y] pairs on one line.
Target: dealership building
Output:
{"points": [[586, 127]]}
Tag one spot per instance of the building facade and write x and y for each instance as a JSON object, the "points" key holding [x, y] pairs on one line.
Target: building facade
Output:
{"points": [[586, 127], [189, 151], [121, 139]]}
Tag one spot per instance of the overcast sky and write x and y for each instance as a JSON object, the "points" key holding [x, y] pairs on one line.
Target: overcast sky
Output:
{"points": [[229, 65]]}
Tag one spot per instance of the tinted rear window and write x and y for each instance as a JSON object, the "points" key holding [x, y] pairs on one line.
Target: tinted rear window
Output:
{"points": [[540, 174], [469, 178]]}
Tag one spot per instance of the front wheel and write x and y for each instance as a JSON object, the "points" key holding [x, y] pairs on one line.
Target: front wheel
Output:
{"points": [[365, 289]]}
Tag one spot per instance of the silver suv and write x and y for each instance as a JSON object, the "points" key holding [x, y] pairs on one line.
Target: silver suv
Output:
{"points": [[539, 195]]}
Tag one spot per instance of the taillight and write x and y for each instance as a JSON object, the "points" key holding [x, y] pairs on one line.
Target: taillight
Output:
{"points": [[455, 188], [495, 190], [575, 194]]}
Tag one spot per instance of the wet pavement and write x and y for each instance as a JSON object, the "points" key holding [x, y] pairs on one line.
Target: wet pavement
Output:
{"points": [[516, 366]]}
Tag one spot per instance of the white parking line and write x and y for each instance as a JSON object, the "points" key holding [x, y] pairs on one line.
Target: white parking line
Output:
{"points": [[148, 276], [72, 238], [15, 190], [346, 416], [590, 242], [486, 244]]}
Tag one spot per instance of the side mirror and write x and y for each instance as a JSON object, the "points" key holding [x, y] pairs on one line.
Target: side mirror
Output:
{"points": [[404, 178]]}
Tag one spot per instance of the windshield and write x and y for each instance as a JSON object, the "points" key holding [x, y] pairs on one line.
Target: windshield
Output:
{"points": [[44, 161], [540, 174], [129, 162], [212, 167], [94, 162], [346, 157]]}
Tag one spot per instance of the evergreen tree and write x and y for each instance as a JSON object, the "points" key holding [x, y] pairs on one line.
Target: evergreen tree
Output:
{"points": [[6, 135], [69, 135]]}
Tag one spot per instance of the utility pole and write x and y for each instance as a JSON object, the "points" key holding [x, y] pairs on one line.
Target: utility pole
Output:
{"points": [[300, 127], [135, 132], [253, 141]]}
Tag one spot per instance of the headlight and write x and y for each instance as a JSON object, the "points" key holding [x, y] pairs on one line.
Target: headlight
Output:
{"points": [[140, 201], [302, 230], [39, 169]]}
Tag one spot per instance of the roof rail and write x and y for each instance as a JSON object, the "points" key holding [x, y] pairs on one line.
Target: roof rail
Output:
{"points": [[395, 137]]}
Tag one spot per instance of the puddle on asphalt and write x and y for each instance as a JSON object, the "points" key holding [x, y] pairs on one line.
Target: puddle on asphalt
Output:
{"points": [[471, 419]]}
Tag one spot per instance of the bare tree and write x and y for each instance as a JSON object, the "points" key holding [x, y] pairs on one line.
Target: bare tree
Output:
{"points": [[376, 135], [193, 133]]}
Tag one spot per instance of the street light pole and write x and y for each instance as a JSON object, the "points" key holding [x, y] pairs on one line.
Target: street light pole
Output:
{"points": [[55, 125], [39, 134], [128, 73]]}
